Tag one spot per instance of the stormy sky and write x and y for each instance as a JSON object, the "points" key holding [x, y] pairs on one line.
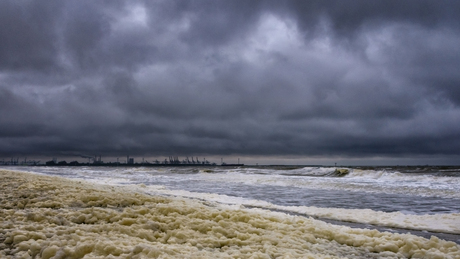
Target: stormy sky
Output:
{"points": [[296, 81]]}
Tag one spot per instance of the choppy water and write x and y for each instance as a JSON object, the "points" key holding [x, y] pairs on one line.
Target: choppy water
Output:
{"points": [[362, 193]]}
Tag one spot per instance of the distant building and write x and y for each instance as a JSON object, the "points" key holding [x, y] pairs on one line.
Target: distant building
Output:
{"points": [[98, 160], [52, 162], [74, 163], [130, 161]]}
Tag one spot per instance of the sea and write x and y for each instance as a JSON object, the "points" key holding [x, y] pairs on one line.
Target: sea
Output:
{"points": [[420, 200]]}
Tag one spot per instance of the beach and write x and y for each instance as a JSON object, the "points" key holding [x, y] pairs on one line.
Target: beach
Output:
{"points": [[53, 217]]}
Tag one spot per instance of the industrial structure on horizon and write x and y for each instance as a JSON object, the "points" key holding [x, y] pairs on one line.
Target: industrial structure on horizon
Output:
{"points": [[97, 161]]}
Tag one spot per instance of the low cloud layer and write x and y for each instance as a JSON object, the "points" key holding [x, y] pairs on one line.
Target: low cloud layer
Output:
{"points": [[354, 79]]}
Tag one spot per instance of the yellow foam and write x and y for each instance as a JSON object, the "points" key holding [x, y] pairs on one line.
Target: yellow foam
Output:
{"points": [[50, 217]]}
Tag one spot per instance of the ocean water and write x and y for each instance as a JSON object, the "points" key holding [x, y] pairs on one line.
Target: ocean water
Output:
{"points": [[229, 212], [423, 201]]}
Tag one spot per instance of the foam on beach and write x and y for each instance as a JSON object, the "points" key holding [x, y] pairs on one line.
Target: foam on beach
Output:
{"points": [[50, 217], [448, 223]]}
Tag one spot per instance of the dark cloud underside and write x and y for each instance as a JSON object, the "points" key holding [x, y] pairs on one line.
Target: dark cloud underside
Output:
{"points": [[352, 79]]}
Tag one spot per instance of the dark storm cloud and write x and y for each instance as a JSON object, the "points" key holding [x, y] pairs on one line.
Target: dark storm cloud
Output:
{"points": [[347, 17], [26, 34], [277, 78]]}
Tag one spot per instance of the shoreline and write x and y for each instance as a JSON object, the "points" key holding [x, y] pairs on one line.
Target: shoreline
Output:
{"points": [[422, 233], [46, 216]]}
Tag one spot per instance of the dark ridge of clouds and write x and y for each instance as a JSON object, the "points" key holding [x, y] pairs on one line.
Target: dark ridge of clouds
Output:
{"points": [[349, 16], [276, 78]]}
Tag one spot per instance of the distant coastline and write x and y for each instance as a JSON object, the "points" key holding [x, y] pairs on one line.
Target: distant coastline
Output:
{"points": [[97, 161]]}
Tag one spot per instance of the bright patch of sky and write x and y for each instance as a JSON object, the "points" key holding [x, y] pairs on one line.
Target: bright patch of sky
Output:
{"points": [[134, 16], [273, 35]]}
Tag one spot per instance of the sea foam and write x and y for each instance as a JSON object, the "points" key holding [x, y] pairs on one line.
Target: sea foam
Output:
{"points": [[51, 217]]}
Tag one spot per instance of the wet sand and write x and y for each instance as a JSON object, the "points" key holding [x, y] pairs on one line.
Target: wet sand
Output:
{"points": [[51, 217]]}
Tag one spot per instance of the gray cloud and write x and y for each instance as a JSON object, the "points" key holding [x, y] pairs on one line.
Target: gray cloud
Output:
{"points": [[353, 79], [26, 35]]}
